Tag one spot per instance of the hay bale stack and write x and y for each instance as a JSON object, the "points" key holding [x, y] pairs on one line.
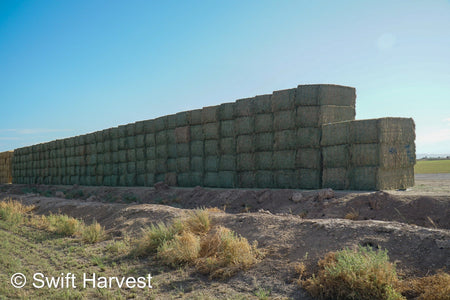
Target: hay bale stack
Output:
{"points": [[6, 166]]}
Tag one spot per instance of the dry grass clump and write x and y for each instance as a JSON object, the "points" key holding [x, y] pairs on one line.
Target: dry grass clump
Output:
{"points": [[61, 224], [354, 274], [435, 287], [92, 233], [217, 251], [13, 211]]}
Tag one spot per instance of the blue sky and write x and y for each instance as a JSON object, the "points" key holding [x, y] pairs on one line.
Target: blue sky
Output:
{"points": [[73, 67]]}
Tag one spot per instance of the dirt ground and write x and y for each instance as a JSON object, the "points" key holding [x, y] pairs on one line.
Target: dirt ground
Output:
{"points": [[291, 225]]}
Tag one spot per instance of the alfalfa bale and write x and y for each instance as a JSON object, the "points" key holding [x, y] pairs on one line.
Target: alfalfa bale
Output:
{"points": [[184, 179], [286, 179], [197, 164], [171, 136], [308, 137], [392, 179], [308, 179], [107, 169], [115, 157], [183, 134], [161, 137], [149, 126], [150, 166], [363, 155], [264, 122], [285, 140], [245, 144], [107, 157], [245, 162], [244, 125], [363, 178], [172, 150], [264, 160], [398, 155], [264, 141], [336, 156], [211, 179], [171, 165], [150, 140], [212, 147], [307, 95], [263, 104], [122, 130], [100, 159], [308, 116], [114, 180], [197, 133], [171, 121], [227, 128], [335, 178], [335, 134], [332, 114], [113, 133], [336, 95], [244, 107], [283, 120], [131, 155], [161, 123], [90, 159], [140, 141], [196, 178], [107, 146], [308, 158], [183, 164], [227, 179], [363, 131], [197, 148], [226, 111], [395, 130], [182, 118], [122, 156], [247, 180], [140, 167], [265, 179], [195, 117], [227, 163], [283, 100], [100, 148], [151, 179], [183, 150], [122, 144], [211, 130], [212, 164], [210, 114], [161, 165], [114, 145], [140, 154], [284, 160], [122, 169], [130, 180]]}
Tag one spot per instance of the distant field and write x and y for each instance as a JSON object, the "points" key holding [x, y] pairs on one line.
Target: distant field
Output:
{"points": [[432, 166]]}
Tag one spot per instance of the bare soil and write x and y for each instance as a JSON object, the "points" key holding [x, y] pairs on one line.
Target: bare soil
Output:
{"points": [[291, 225]]}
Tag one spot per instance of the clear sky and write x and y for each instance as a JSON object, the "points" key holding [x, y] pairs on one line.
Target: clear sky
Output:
{"points": [[73, 67]]}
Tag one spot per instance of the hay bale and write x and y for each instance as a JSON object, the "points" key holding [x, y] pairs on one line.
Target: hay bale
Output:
{"points": [[141, 179], [107, 157], [307, 95], [336, 134], [393, 179], [150, 153], [183, 150], [285, 140], [227, 163], [151, 179], [264, 123], [265, 179], [244, 144], [161, 124], [227, 128], [263, 104], [332, 114], [247, 179], [283, 120], [161, 138], [195, 117], [183, 134], [122, 133], [211, 131], [395, 130], [363, 131], [264, 160], [140, 154], [210, 114], [212, 164], [130, 180], [264, 141], [122, 181], [114, 145], [286, 179], [309, 179], [172, 150], [245, 162], [197, 133], [363, 178], [196, 178], [211, 179], [171, 121], [100, 148], [283, 100], [212, 147], [308, 137], [244, 125], [161, 151], [182, 118], [131, 155], [113, 133], [227, 179], [107, 169], [284, 160], [122, 144], [336, 156], [363, 155], [308, 158], [325, 94], [138, 128], [139, 140], [150, 166], [149, 126], [184, 179], [149, 140], [244, 107], [183, 164], [197, 164], [171, 165], [161, 165], [140, 167], [335, 178], [171, 139], [226, 111], [197, 148]]}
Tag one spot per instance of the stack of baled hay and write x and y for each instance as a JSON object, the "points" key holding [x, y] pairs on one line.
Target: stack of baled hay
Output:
{"points": [[6, 166], [372, 154]]}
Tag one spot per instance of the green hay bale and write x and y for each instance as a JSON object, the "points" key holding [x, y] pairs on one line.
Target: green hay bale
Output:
{"points": [[363, 155], [171, 121], [183, 135], [264, 141], [308, 137], [107, 169], [122, 169], [247, 180], [140, 141], [197, 133], [150, 140], [212, 147], [115, 169], [161, 138], [211, 179], [227, 179], [160, 178], [130, 180], [122, 144], [308, 158], [130, 129], [284, 160], [227, 163], [106, 146], [114, 145], [149, 126], [107, 157], [172, 150], [122, 181], [122, 130], [182, 118], [244, 107], [283, 120], [197, 148], [196, 178], [393, 179], [226, 111], [309, 179], [172, 165], [140, 167], [264, 123], [197, 164], [98, 137], [171, 139], [184, 179], [161, 165], [211, 131], [91, 160], [183, 150], [286, 179], [140, 154], [100, 148], [195, 117], [161, 151], [244, 125], [150, 166], [395, 130], [363, 131], [308, 116], [183, 164], [265, 179], [122, 156], [264, 160], [336, 156], [227, 128], [283, 100], [141, 179], [333, 114], [325, 95], [363, 178], [161, 124], [245, 144], [100, 159], [212, 164], [210, 114], [263, 104], [285, 140], [113, 133], [139, 128], [335, 134], [115, 157], [245, 162]]}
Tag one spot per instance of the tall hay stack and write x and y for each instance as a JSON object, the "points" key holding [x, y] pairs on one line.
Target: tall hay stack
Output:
{"points": [[6, 171]]}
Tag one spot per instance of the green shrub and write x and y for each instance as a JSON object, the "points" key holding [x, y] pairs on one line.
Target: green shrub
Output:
{"points": [[93, 233]]}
